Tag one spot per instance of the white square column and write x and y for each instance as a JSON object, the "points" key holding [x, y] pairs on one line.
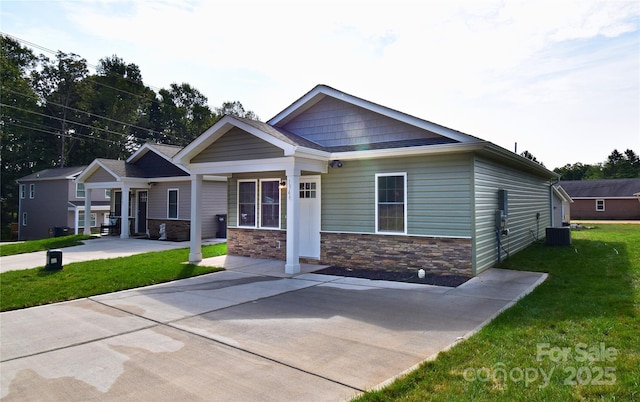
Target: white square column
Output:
{"points": [[124, 213], [195, 244], [292, 265], [87, 212]]}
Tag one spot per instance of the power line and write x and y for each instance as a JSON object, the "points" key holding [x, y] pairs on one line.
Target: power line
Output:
{"points": [[58, 134]]}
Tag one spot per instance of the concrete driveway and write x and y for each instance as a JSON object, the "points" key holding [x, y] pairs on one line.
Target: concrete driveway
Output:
{"points": [[95, 249], [248, 333]]}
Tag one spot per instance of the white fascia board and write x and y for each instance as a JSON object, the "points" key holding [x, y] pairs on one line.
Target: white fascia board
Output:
{"points": [[310, 153], [260, 165], [408, 151], [242, 166], [562, 194], [93, 208], [287, 148], [603, 197], [140, 152], [103, 184]]}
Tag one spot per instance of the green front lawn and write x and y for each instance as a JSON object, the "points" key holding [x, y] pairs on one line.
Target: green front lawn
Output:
{"points": [[40, 245], [575, 338], [32, 287]]}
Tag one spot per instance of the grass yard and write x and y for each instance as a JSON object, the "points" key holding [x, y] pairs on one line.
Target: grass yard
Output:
{"points": [[40, 245], [575, 338], [32, 287]]}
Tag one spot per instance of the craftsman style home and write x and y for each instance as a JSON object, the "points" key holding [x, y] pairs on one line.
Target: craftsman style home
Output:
{"points": [[51, 202], [337, 179], [159, 202]]}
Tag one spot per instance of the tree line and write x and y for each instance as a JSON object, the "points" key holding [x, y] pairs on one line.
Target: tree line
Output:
{"points": [[55, 113], [617, 166]]}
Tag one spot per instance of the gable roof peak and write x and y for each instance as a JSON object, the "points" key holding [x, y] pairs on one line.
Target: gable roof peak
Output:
{"points": [[321, 91]]}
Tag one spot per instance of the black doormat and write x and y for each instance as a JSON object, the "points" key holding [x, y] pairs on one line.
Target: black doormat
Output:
{"points": [[411, 277]]}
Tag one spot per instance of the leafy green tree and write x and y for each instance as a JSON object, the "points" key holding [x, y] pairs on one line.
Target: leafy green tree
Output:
{"points": [[22, 136], [235, 109], [116, 104], [60, 85], [181, 114], [619, 165]]}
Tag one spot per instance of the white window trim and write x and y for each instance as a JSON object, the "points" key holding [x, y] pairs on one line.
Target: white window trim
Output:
{"points": [[32, 191], [93, 219], [259, 205], [24, 219], [177, 190], [78, 192], [603, 205], [255, 203], [107, 193], [23, 191], [406, 202]]}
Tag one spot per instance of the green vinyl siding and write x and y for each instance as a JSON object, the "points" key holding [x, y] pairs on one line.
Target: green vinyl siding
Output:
{"points": [[527, 195], [438, 195], [237, 145]]}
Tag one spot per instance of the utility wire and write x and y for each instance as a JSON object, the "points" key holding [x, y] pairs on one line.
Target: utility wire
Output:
{"points": [[58, 134]]}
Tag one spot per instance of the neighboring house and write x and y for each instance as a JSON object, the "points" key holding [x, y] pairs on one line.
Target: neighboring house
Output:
{"points": [[159, 194], [51, 202], [561, 207], [342, 181], [615, 199]]}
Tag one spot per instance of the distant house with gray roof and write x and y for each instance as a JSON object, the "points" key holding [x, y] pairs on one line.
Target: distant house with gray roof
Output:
{"points": [[51, 202], [614, 199], [159, 194]]}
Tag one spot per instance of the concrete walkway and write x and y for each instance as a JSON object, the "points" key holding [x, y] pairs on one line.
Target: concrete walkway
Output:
{"points": [[248, 333], [95, 249]]}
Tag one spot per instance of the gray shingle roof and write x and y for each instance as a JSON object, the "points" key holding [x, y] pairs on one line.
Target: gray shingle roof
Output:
{"points": [[601, 188], [122, 168], [53, 173]]}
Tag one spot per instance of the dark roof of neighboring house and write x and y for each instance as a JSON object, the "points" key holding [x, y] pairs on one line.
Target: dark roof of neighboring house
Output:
{"points": [[601, 188], [168, 150], [53, 173], [122, 168]]}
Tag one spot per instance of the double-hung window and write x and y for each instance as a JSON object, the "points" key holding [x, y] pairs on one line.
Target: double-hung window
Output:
{"points": [[172, 203], [600, 205], [23, 190], [79, 190], [259, 203], [391, 202], [270, 203], [32, 190], [92, 219], [247, 200]]}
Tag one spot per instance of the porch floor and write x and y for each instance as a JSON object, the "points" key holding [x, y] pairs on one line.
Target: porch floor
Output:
{"points": [[257, 266]]}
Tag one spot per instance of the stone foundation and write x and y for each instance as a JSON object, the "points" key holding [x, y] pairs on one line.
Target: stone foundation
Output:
{"points": [[175, 230], [442, 256], [257, 243]]}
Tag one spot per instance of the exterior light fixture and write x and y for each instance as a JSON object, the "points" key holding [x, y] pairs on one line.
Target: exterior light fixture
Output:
{"points": [[283, 184]]}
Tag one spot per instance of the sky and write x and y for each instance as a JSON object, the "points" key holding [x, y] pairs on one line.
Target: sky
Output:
{"points": [[561, 79]]}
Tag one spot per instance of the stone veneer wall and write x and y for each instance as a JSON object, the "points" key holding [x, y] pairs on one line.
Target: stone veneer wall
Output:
{"points": [[175, 230], [257, 243], [443, 256]]}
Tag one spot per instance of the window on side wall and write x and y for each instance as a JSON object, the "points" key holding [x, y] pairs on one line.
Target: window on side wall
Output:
{"points": [[79, 190], [247, 197], [172, 204], [23, 190], [391, 202], [32, 191], [270, 203], [92, 219], [599, 205], [24, 219]]}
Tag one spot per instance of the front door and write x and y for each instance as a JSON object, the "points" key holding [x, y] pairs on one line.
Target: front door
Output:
{"points": [[310, 217], [142, 212]]}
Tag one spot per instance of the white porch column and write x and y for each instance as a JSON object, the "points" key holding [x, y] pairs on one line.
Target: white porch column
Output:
{"points": [[292, 265], [124, 218], [195, 253], [87, 212]]}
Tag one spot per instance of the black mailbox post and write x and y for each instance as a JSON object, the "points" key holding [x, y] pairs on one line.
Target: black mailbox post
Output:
{"points": [[54, 260]]}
